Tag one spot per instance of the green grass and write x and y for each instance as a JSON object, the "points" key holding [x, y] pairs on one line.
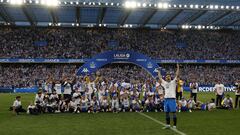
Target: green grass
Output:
{"points": [[217, 122]]}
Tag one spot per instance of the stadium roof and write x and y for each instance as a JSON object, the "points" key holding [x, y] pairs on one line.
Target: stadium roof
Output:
{"points": [[186, 14]]}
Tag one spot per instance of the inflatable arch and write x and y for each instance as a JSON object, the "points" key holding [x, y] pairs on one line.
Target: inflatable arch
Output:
{"points": [[93, 64]]}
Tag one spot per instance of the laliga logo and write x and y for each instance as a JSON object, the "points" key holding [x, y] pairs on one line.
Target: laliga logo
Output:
{"points": [[121, 56], [85, 70]]}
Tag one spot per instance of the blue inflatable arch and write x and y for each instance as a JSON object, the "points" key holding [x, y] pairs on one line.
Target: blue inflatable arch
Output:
{"points": [[108, 57]]}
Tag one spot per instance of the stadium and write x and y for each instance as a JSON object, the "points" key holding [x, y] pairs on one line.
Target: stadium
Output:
{"points": [[122, 67]]}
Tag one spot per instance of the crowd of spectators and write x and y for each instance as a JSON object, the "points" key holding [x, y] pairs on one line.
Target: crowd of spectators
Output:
{"points": [[85, 43], [26, 75]]}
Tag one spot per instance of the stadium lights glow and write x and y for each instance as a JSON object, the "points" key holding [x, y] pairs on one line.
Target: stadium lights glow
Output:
{"points": [[191, 6], [144, 4], [1, 0], [202, 6], [180, 5], [211, 6], [84, 3], [106, 3], [237, 7], [30, 1], [37, 1], [50, 3], [130, 4], [232, 7], [216, 6], [196, 6], [112, 4], [77, 24], [185, 6], [118, 4], [58, 24], [163, 5], [77, 2], [73, 24], [174, 5], [16, 2], [222, 7], [104, 25], [71, 2], [149, 5], [227, 7], [155, 5]]}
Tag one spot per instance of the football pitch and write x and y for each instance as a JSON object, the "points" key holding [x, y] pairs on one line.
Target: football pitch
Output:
{"points": [[217, 122]]}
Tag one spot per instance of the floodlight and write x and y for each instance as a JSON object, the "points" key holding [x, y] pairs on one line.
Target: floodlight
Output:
{"points": [[165, 5], [160, 5], [144, 4], [216, 6], [191, 6], [196, 6], [16, 2], [130, 4]]}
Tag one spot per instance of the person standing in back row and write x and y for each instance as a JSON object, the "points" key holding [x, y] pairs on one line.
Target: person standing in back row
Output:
{"points": [[219, 91], [194, 90]]}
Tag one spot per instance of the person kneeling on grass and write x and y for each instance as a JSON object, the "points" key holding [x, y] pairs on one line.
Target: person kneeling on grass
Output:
{"points": [[211, 105], [104, 104], [32, 109], [228, 102], [125, 104], [84, 104], [115, 104], [17, 106], [135, 105], [149, 104], [94, 105], [191, 104], [182, 105]]}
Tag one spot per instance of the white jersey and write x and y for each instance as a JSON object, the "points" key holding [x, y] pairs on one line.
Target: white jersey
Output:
{"points": [[125, 103], [58, 88], [170, 88], [194, 87], [219, 89], [67, 88], [17, 103], [183, 103], [104, 102], [227, 101]]}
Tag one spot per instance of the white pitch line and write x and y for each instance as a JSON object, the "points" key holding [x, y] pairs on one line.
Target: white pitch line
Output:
{"points": [[161, 123]]}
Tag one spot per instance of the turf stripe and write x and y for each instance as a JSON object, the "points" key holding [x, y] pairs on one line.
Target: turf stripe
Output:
{"points": [[161, 123]]}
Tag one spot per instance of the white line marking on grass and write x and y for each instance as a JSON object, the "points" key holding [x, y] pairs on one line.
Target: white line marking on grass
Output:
{"points": [[161, 123]]}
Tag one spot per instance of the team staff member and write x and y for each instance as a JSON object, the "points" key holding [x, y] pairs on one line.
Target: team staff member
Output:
{"points": [[194, 90], [219, 91], [170, 97]]}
